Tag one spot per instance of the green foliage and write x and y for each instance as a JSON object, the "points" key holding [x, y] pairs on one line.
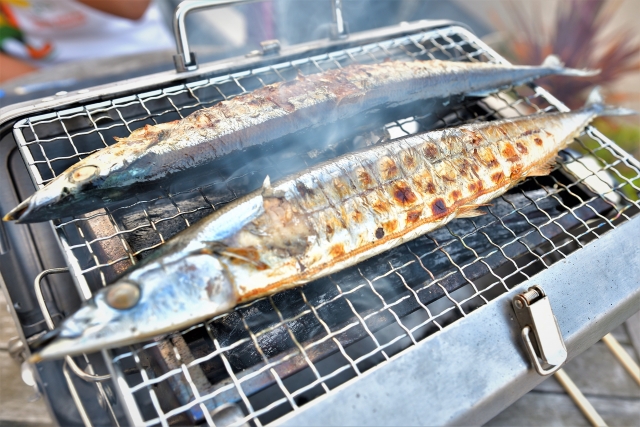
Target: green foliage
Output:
{"points": [[627, 136]]}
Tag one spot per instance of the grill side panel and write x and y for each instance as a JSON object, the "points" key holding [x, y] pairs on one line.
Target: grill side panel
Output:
{"points": [[581, 296]]}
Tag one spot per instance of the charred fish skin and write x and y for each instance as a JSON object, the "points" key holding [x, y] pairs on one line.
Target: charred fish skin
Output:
{"points": [[318, 222], [157, 153]]}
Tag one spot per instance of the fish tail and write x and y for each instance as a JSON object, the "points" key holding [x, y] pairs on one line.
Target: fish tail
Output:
{"points": [[595, 103], [554, 62]]}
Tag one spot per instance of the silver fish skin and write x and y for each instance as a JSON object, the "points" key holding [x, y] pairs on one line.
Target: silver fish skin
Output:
{"points": [[156, 154], [318, 222]]}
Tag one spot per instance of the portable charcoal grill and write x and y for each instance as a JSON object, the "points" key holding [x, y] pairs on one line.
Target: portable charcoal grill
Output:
{"points": [[396, 339]]}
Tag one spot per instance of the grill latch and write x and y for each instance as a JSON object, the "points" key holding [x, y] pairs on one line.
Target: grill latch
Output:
{"points": [[269, 47], [536, 318]]}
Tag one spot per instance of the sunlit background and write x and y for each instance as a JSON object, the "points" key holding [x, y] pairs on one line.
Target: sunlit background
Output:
{"points": [[601, 34]]}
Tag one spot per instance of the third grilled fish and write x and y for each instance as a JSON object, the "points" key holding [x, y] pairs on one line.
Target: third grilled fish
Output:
{"points": [[155, 155]]}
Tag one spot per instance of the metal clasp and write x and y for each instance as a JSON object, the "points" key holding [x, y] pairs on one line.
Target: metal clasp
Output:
{"points": [[534, 315], [269, 47]]}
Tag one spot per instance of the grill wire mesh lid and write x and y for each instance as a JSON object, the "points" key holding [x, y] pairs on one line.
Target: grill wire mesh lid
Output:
{"points": [[272, 356]]}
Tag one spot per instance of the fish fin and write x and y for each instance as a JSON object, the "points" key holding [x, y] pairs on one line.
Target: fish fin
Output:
{"points": [[595, 103], [249, 255], [470, 211], [268, 191], [266, 184], [543, 169], [595, 97], [212, 247], [554, 62]]}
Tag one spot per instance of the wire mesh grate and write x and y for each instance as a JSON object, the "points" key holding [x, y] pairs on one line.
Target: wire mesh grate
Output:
{"points": [[272, 356]]}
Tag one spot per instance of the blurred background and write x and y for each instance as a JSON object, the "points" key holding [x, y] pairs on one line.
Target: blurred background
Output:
{"points": [[57, 46], [48, 46]]}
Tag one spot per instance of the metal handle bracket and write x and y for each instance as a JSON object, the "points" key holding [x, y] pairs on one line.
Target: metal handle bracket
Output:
{"points": [[185, 60], [535, 316], [339, 28], [90, 376]]}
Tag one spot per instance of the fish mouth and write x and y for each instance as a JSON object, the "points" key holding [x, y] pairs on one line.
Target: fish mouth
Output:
{"points": [[19, 212], [41, 342], [45, 339], [55, 348]]}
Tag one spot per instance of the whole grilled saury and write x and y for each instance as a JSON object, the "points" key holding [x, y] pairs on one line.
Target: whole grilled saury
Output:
{"points": [[155, 155], [317, 222]]}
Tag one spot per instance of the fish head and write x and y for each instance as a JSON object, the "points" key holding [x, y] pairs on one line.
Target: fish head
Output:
{"points": [[99, 178], [68, 192], [166, 295]]}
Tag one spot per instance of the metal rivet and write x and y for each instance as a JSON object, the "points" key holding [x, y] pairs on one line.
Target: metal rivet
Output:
{"points": [[518, 304]]}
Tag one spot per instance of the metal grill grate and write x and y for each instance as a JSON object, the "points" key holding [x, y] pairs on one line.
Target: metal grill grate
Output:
{"points": [[273, 355]]}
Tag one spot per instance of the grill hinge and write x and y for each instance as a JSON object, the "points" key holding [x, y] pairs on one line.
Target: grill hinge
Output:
{"points": [[269, 47], [535, 316]]}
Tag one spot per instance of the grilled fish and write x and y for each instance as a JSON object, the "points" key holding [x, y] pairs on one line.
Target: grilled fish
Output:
{"points": [[156, 154], [318, 222]]}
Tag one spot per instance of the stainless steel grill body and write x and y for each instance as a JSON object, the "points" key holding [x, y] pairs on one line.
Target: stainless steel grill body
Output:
{"points": [[277, 356]]}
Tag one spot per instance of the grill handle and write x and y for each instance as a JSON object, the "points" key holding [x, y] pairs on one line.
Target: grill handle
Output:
{"points": [[185, 60], [339, 28], [89, 377]]}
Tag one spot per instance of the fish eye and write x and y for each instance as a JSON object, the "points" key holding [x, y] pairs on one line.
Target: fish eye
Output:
{"points": [[82, 174], [123, 295]]}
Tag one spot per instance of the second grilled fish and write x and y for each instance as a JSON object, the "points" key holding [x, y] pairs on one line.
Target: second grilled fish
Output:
{"points": [[155, 155], [317, 222]]}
